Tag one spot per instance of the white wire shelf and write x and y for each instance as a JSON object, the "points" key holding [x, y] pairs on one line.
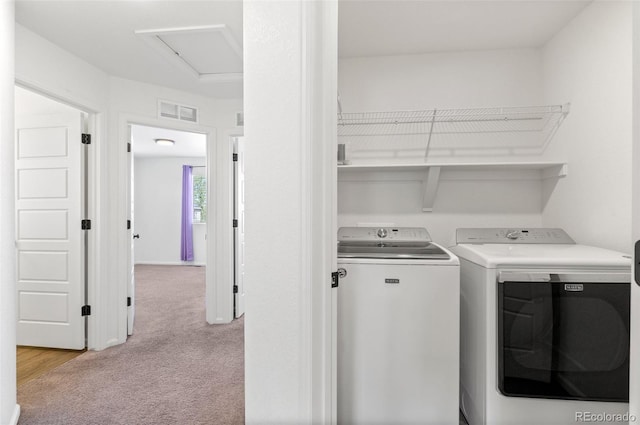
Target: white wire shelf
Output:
{"points": [[453, 129]]}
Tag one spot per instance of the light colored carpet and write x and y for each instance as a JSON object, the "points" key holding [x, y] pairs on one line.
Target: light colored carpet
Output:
{"points": [[175, 369]]}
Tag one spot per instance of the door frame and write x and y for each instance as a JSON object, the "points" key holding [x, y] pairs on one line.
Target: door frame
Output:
{"points": [[218, 295], [321, 70], [634, 355], [93, 124], [229, 136], [219, 290]]}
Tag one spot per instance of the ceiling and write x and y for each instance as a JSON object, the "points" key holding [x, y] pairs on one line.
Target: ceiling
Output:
{"points": [[187, 144], [381, 28], [104, 32]]}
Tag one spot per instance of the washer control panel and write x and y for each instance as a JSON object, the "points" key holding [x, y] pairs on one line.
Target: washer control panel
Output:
{"points": [[395, 234], [513, 235]]}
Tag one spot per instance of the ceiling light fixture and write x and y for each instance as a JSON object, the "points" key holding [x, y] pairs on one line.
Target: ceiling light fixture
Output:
{"points": [[165, 142]]}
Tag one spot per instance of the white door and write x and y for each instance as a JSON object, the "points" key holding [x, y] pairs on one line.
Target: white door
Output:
{"points": [[131, 306], [239, 230], [50, 247]]}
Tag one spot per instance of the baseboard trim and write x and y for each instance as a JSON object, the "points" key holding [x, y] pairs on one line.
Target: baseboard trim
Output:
{"points": [[15, 416], [170, 263], [220, 321]]}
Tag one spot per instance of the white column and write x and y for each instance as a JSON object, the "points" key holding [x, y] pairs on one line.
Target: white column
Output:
{"points": [[290, 89], [9, 410]]}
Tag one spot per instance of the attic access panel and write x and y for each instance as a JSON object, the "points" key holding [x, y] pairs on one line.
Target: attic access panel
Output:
{"points": [[209, 53]]}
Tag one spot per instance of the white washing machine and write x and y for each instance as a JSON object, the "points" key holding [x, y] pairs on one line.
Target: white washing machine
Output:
{"points": [[544, 329], [398, 328]]}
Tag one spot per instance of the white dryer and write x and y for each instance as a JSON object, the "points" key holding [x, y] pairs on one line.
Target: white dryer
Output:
{"points": [[398, 328], [544, 329]]}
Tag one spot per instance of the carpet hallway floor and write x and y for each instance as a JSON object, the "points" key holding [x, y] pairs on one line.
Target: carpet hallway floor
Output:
{"points": [[174, 369]]}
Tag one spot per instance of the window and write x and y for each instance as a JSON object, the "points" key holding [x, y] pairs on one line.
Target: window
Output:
{"points": [[199, 195]]}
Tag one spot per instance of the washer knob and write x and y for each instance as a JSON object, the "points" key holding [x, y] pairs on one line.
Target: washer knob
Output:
{"points": [[513, 234], [382, 233]]}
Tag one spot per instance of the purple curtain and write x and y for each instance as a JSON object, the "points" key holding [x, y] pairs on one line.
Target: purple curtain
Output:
{"points": [[186, 240]]}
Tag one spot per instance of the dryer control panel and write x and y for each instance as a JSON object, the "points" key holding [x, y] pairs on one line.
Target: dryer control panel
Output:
{"points": [[391, 234], [513, 235]]}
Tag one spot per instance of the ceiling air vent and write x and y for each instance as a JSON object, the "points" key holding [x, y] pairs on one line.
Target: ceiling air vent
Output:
{"points": [[175, 111]]}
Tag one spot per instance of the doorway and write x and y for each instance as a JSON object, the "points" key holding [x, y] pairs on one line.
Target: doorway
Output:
{"points": [[169, 201], [52, 222], [52, 160]]}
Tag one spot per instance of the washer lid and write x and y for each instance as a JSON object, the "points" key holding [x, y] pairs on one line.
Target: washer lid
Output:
{"points": [[541, 256], [399, 250], [388, 242]]}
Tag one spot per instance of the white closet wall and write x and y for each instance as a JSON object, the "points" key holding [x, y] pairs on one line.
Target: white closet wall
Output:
{"points": [[442, 80], [589, 64]]}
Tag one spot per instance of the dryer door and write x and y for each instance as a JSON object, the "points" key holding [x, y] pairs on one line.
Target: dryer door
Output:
{"points": [[565, 338]]}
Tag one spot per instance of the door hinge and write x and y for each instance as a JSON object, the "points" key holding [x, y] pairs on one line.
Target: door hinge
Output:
{"points": [[128, 147], [86, 224], [128, 301], [86, 310], [235, 157], [128, 224], [86, 139], [335, 279], [235, 222], [235, 289]]}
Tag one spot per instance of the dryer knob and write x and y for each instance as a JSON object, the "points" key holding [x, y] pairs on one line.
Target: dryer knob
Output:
{"points": [[382, 233]]}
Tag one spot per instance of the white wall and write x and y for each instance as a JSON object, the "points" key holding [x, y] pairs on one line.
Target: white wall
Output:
{"points": [[158, 212], [463, 200], [290, 52], [273, 257], [589, 64], [140, 99], [9, 410], [443, 80], [440, 80], [55, 71]]}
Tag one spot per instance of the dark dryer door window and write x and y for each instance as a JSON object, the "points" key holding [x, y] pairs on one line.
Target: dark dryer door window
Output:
{"points": [[564, 339]]}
